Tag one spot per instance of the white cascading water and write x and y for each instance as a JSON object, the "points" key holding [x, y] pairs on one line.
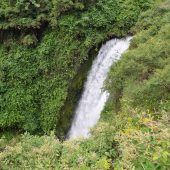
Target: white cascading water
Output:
{"points": [[94, 97]]}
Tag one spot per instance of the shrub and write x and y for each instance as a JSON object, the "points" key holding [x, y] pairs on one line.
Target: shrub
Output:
{"points": [[141, 75], [32, 152], [43, 45]]}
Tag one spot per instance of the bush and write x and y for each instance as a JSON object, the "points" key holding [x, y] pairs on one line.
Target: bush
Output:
{"points": [[43, 45], [46, 152], [32, 152], [131, 140], [141, 76]]}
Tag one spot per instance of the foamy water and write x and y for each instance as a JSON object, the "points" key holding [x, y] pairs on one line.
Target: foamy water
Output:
{"points": [[94, 97]]}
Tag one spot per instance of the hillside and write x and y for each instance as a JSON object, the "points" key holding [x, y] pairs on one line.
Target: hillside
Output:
{"points": [[46, 48], [43, 46]]}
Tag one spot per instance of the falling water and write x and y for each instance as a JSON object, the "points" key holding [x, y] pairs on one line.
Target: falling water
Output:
{"points": [[94, 97]]}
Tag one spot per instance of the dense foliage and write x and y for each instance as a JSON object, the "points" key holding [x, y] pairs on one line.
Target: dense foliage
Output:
{"points": [[142, 77], [134, 130], [43, 44], [130, 140]]}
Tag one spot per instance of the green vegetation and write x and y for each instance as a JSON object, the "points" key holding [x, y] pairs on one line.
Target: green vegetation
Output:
{"points": [[142, 77], [43, 45], [44, 57], [128, 141]]}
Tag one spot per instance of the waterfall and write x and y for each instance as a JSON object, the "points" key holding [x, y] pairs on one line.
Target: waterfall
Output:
{"points": [[94, 97]]}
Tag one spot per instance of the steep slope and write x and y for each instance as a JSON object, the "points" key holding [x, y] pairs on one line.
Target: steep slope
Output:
{"points": [[43, 44], [134, 130], [141, 78]]}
